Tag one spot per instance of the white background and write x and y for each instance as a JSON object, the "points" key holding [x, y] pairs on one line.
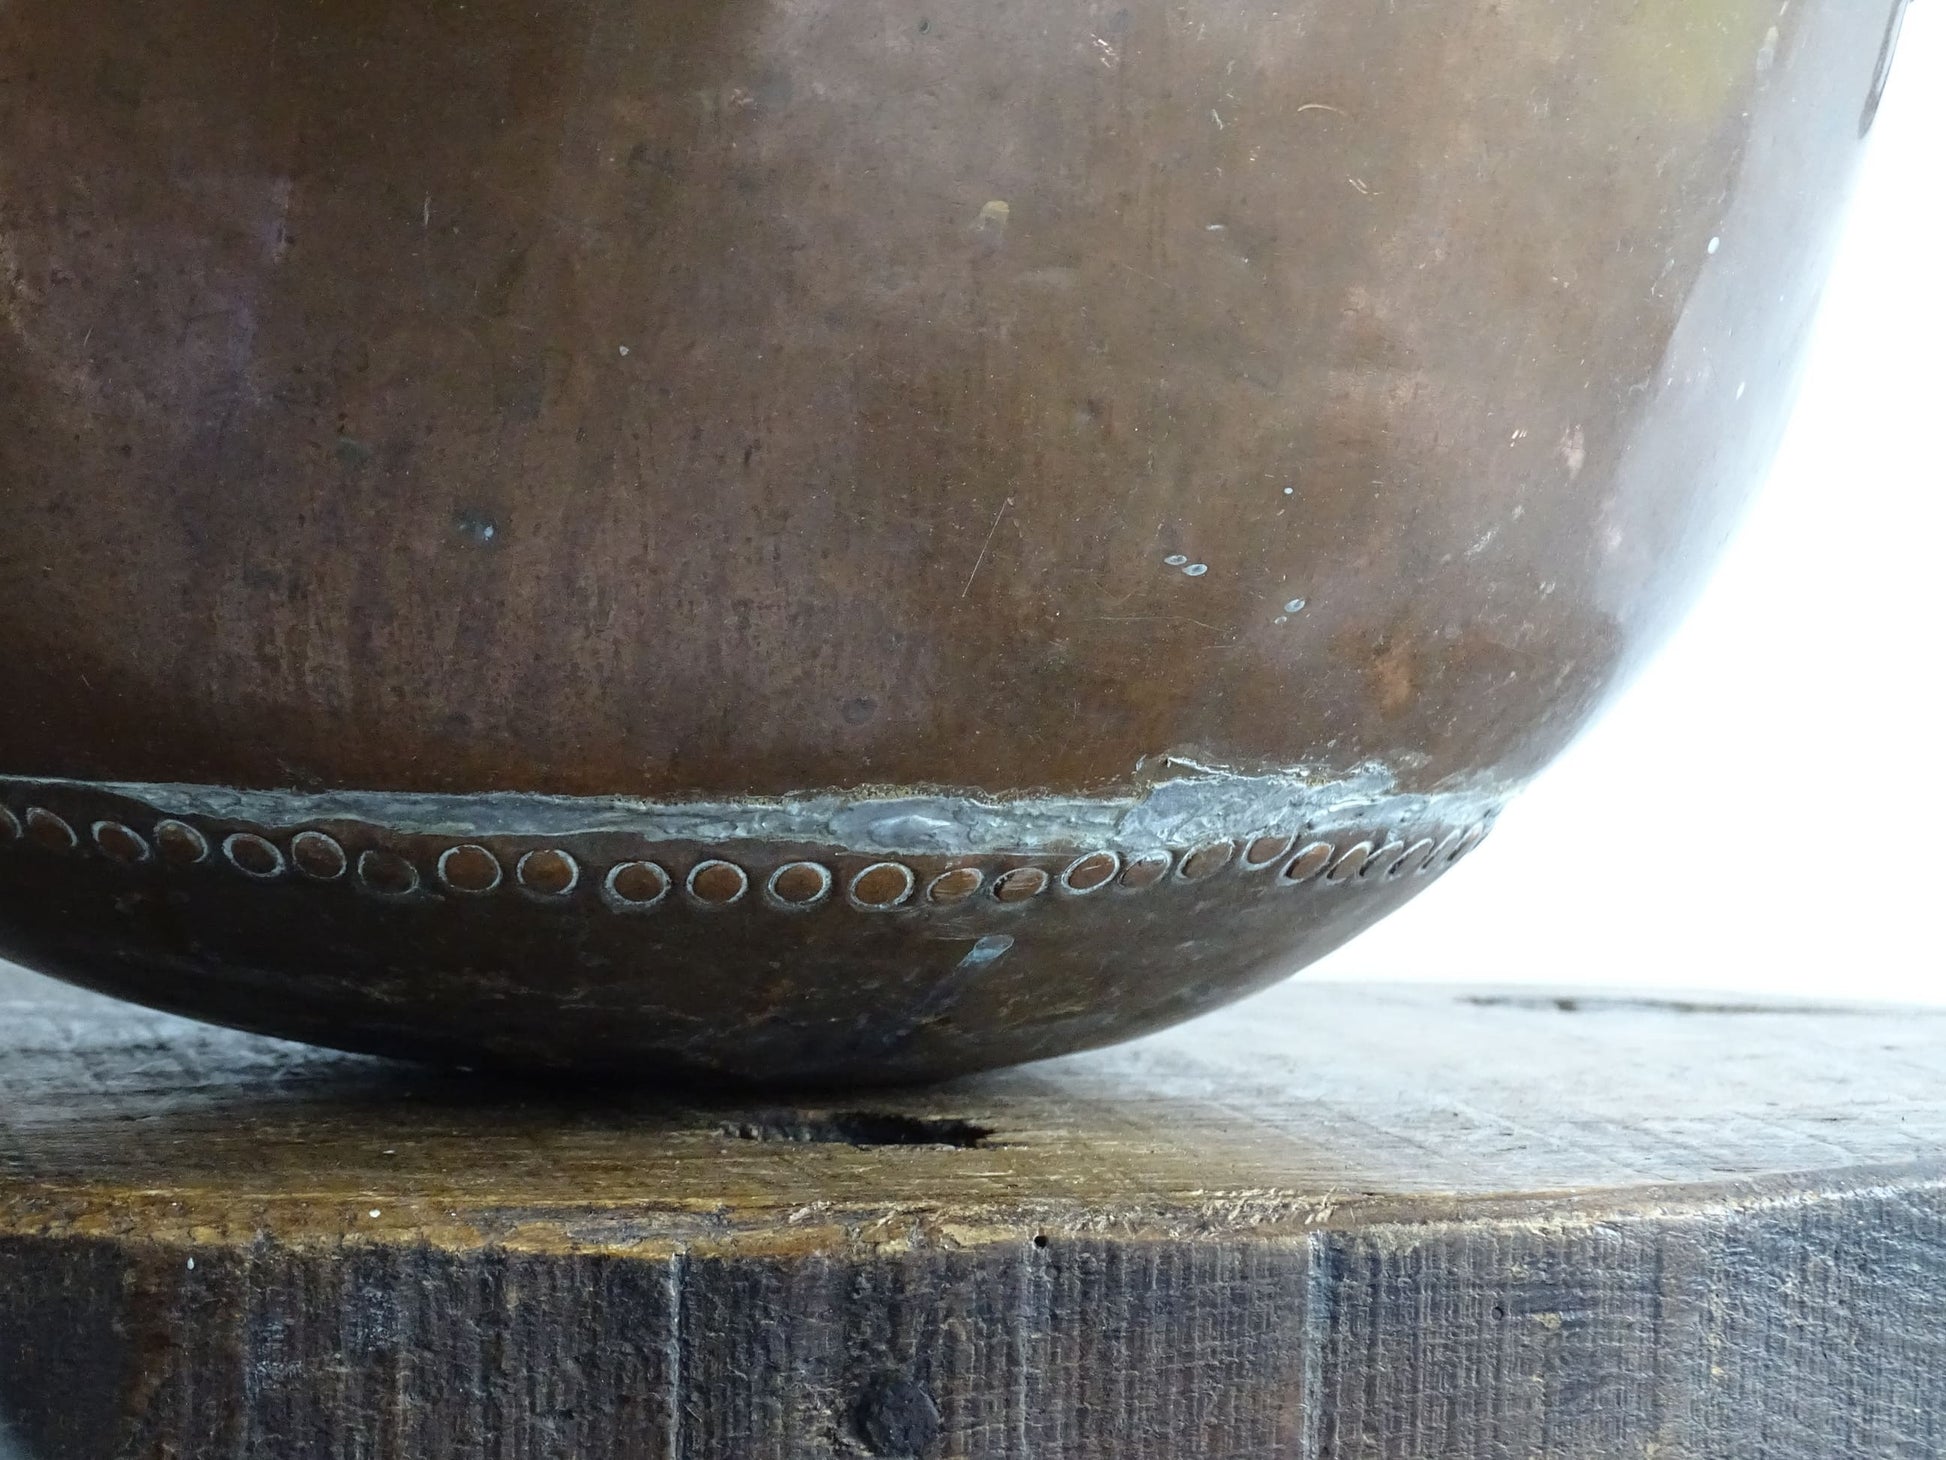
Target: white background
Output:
{"points": [[1762, 811]]}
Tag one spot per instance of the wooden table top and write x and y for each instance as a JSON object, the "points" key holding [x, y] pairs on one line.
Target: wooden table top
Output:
{"points": [[1335, 1221], [1311, 1103]]}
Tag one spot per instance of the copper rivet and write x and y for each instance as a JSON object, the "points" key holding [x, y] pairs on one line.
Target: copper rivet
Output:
{"points": [[1089, 873], [470, 869], [1415, 858], [387, 873], [1384, 859], [957, 885], [1146, 869], [180, 843], [1207, 860], [717, 883], [253, 856], [1351, 863], [636, 886], [120, 843], [1020, 884], [800, 884], [50, 831], [318, 856], [882, 885], [1309, 862], [550, 872], [1264, 850]]}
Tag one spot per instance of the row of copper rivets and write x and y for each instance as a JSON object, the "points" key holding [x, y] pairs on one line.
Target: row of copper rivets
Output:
{"points": [[637, 886]]}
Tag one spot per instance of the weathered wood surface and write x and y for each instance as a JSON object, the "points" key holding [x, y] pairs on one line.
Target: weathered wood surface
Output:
{"points": [[1365, 1224]]}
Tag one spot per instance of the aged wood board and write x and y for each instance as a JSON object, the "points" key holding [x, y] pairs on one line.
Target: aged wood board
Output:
{"points": [[1358, 1223]]}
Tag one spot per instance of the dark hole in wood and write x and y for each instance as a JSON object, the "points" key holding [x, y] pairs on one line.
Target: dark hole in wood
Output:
{"points": [[858, 1128]]}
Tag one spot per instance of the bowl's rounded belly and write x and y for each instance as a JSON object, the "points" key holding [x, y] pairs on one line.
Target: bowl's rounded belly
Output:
{"points": [[806, 537]]}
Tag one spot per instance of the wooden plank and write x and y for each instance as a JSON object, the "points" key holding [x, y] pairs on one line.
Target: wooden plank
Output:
{"points": [[1335, 1222]]}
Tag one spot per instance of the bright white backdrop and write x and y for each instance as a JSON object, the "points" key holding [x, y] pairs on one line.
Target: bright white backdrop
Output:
{"points": [[1763, 810]]}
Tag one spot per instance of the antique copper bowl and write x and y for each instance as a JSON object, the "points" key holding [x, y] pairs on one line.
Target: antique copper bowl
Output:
{"points": [[784, 539]]}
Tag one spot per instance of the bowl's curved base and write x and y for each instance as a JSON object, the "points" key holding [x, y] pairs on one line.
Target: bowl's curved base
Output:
{"points": [[602, 950]]}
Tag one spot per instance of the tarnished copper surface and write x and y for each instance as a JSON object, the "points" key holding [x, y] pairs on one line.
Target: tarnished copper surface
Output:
{"points": [[778, 399]]}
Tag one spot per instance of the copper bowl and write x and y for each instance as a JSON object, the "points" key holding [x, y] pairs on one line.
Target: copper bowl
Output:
{"points": [[774, 539]]}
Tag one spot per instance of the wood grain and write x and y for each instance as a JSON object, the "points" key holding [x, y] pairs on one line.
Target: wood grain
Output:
{"points": [[1364, 1224]]}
